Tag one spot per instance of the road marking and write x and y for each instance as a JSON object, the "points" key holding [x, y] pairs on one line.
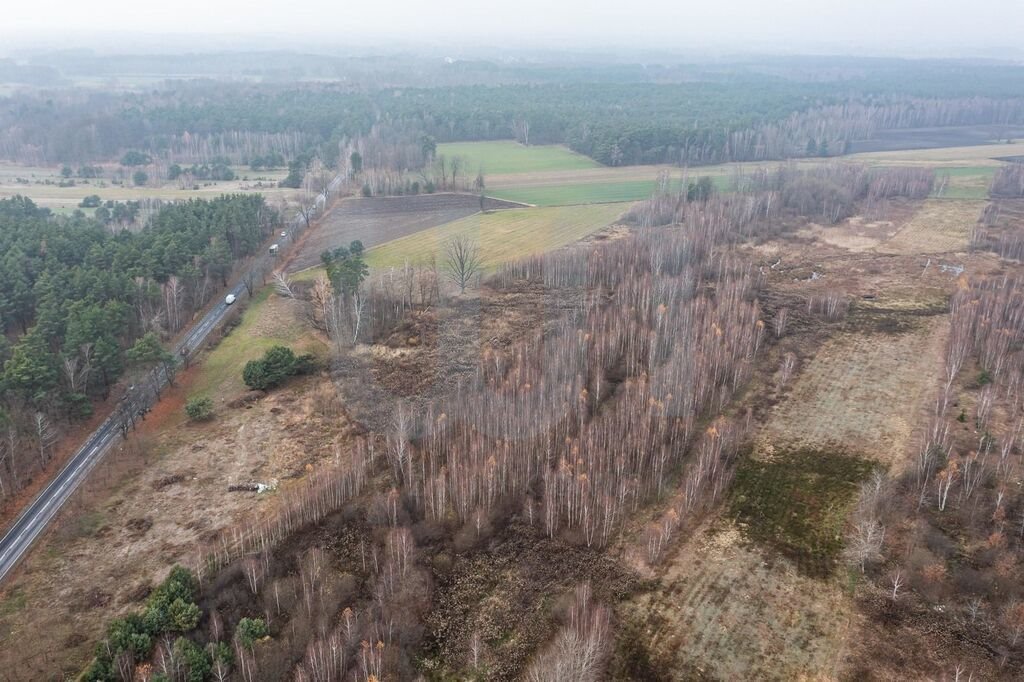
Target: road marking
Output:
{"points": [[41, 510]]}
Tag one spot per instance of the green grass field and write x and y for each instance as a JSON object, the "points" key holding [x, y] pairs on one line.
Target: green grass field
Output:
{"points": [[797, 502], [505, 156], [966, 182], [261, 328], [503, 235], [587, 193], [592, 192]]}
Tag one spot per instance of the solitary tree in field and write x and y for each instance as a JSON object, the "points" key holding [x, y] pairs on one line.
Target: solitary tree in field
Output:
{"points": [[478, 185], [442, 167], [462, 260], [428, 146], [456, 165]]}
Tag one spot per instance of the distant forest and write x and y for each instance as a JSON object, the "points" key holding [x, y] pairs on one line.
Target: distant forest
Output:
{"points": [[682, 114]]}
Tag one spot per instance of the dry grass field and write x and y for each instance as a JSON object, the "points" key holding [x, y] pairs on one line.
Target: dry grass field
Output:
{"points": [[725, 610], [503, 235], [978, 155], [42, 185], [861, 392], [938, 226], [932, 227]]}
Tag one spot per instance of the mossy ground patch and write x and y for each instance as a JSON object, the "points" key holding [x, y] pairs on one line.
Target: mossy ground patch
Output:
{"points": [[797, 502]]}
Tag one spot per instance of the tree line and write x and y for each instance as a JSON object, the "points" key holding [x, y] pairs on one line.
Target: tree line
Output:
{"points": [[710, 120], [960, 500]]}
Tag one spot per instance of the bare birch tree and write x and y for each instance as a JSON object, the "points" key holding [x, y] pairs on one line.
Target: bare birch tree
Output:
{"points": [[46, 436], [580, 649], [462, 260]]}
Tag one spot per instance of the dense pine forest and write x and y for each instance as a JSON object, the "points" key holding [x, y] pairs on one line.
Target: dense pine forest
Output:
{"points": [[83, 304]]}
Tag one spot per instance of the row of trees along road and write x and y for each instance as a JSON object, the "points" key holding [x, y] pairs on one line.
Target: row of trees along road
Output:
{"points": [[80, 307]]}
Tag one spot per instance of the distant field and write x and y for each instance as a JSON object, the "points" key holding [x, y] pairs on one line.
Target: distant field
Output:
{"points": [[593, 192], [589, 193], [374, 221], [937, 137], [971, 182], [939, 225], [503, 235], [41, 184], [511, 157], [978, 155]]}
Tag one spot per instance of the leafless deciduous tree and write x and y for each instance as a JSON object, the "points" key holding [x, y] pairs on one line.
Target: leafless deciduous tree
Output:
{"points": [[780, 321], [1013, 620], [867, 534], [283, 284], [462, 260], [896, 580], [521, 129], [580, 648], [456, 165], [9, 447], [1008, 181], [479, 184], [832, 305], [256, 275], [46, 436], [961, 674], [864, 543], [786, 370]]}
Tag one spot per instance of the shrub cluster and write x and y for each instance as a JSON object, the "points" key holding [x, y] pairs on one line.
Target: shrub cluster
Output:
{"points": [[276, 365], [171, 608], [199, 408]]}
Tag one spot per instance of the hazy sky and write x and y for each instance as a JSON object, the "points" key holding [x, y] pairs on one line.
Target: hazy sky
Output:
{"points": [[890, 26]]}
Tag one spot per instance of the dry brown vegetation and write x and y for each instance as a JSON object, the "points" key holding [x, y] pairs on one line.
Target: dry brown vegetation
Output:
{"points": [[748, 440], [154, 498]]}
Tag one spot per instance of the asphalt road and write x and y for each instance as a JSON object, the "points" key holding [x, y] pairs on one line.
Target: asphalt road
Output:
{"points": [[36, 516], [44, 507]]}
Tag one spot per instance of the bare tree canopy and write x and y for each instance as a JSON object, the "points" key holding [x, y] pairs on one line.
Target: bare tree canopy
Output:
{"points": [[462, 260]]}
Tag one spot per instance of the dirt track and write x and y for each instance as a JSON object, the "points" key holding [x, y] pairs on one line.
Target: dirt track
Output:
{"points": [[377, 220]]}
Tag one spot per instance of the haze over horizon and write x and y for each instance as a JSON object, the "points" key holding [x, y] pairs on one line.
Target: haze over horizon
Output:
{"points": [[877, 27]]}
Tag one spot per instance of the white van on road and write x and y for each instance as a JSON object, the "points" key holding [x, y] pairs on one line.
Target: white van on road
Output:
{"points": [[229, 299]]}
